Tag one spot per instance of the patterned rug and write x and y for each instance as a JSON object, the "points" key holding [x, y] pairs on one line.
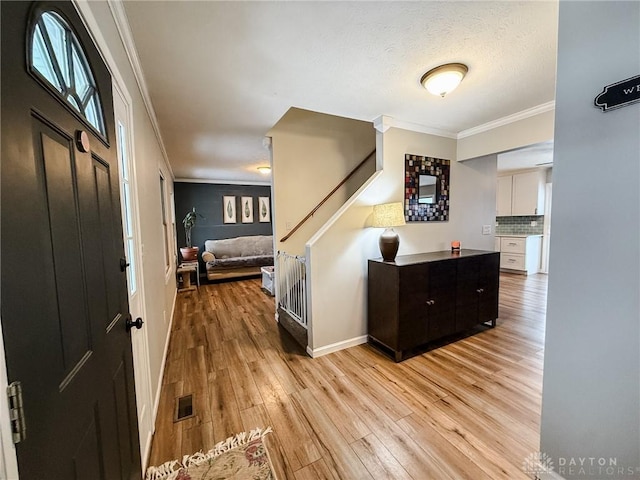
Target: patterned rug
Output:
{"points": [[243, 456]]}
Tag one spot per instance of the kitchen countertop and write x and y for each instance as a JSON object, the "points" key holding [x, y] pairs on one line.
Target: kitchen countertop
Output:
{"points": [[521, 235]]}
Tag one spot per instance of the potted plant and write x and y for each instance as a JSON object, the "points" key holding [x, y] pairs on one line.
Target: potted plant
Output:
{"points": [[189, 253]]}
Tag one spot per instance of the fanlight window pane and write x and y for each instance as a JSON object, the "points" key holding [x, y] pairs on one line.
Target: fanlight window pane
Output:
{"points": [[94, 113], [74, 103], [42, 61], [80, 77], [57, 34], [57, 55]]}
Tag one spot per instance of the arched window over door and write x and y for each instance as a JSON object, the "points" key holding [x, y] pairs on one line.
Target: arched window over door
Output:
{"points": [[57, 57]]}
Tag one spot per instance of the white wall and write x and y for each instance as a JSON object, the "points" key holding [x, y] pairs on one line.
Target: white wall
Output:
{"points": [[311, 153], [159, 286], [591, 391], [338, 254]]}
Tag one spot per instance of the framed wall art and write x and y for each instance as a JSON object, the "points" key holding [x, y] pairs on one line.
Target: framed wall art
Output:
{"points": [[246, 209], [228, 209], [264, 209], [426, 192]]}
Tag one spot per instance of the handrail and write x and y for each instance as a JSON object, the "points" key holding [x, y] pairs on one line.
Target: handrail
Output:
{"points": [[323, 201]]}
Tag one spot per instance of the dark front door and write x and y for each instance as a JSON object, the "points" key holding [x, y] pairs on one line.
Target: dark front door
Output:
{"points": [[64, 299]]}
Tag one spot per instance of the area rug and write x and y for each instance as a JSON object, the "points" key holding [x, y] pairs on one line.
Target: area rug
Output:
{"points": [[241, 457]]}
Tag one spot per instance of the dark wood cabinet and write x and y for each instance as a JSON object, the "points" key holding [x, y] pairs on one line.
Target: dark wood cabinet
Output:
{"points": [[421, 298]]}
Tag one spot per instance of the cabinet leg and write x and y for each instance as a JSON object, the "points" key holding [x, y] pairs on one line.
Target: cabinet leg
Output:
{"points": [[398, 356]]}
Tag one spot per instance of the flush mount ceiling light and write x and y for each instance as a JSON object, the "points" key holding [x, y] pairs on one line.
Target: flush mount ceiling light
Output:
{"points": [[444, 79], [264, 170]]}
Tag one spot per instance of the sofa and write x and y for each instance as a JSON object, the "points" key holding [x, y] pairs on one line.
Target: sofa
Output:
{"points": [[237, 257]]}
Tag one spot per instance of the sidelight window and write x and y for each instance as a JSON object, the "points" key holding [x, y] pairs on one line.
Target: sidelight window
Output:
{"points": [[58, 57]]}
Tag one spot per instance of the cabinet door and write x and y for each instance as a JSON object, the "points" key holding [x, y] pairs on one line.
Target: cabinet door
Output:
{"points": [[477, 290], [441, 312], [413, 318], [503, 196], [488, 286], [382, 303], [528, 194], [467, 293]]}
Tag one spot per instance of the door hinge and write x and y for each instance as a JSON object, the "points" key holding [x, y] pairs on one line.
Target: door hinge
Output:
{"points": [[16, 412]]}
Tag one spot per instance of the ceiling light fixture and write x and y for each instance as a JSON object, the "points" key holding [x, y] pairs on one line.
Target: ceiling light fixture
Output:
{"points": [[264, 170], [444, 79]]}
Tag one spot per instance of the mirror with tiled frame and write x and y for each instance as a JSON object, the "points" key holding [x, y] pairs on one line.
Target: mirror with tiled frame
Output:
{"points": [[426, 190]]}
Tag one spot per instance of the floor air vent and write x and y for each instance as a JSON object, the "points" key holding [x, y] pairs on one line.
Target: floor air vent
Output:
{"points": [[184, 408]]}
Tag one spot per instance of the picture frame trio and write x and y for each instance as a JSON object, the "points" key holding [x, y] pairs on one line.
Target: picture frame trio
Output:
{"points": [[230, 212]]}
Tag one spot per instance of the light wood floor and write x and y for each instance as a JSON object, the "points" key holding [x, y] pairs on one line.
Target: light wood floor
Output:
{"points": [[470, 409]]}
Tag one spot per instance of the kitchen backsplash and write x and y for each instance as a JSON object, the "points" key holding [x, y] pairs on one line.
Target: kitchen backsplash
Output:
{"points": [[519, 225]]}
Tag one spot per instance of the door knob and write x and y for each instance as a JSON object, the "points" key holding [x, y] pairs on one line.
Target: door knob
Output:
{"points": [[129, 324]]}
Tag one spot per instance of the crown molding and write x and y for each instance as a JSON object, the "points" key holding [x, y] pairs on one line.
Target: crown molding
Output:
{"points": [[530, 112], [223, 182], [385, 122], [91, 24], [124, 30]]}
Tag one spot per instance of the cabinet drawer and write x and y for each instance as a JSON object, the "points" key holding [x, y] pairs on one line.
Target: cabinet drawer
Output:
{"points": [[514, 262], [513, 245]]}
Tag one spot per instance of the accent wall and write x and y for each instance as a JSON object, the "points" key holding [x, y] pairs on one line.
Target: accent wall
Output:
{"points": [[207, 198]]}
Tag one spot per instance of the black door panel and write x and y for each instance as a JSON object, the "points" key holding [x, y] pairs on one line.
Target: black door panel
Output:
{"points": [[64, 299]]}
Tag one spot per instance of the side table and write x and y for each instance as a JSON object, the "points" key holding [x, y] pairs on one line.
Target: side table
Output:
{"points": [[185, 270]]}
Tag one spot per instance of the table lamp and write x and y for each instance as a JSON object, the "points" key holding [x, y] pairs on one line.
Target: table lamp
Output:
{"points": [[388, 215]]}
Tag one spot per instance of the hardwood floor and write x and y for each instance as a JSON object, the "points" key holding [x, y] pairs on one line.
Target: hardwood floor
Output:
{"points": [[470, 409]]}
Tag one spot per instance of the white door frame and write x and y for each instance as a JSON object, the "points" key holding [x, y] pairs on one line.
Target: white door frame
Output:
{"points": [[546, 231], [137, 305]]}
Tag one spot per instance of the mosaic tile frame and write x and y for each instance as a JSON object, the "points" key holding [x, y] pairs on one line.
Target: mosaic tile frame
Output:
{"points": [[414, 166]]}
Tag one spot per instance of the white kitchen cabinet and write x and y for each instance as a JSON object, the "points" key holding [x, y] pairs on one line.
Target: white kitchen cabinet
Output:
{"points": [[496, 245], [503, 196], [521, 194], [521, 254], [528, 193]]}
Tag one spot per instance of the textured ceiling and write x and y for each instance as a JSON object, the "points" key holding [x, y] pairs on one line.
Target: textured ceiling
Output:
{"points": [[221, 74]]}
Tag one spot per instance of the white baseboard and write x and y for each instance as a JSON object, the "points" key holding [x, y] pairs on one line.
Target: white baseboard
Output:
{"points": [[147, 451], [156, 402], [334, 347]]}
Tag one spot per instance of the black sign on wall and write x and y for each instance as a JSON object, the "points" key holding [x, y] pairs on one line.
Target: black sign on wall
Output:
{"points": [[619, 94]]}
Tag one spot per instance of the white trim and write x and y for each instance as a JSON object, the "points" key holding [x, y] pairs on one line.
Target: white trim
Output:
{"points": [[165, 353], [91, 25], [382, 123], [124, 30], [142, 370], [385, 122], [8, 456], [222, 182], [530, 112], [334, 347]]}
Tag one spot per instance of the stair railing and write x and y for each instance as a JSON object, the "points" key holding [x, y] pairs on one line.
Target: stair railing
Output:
{"points": [[324, 200]]}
